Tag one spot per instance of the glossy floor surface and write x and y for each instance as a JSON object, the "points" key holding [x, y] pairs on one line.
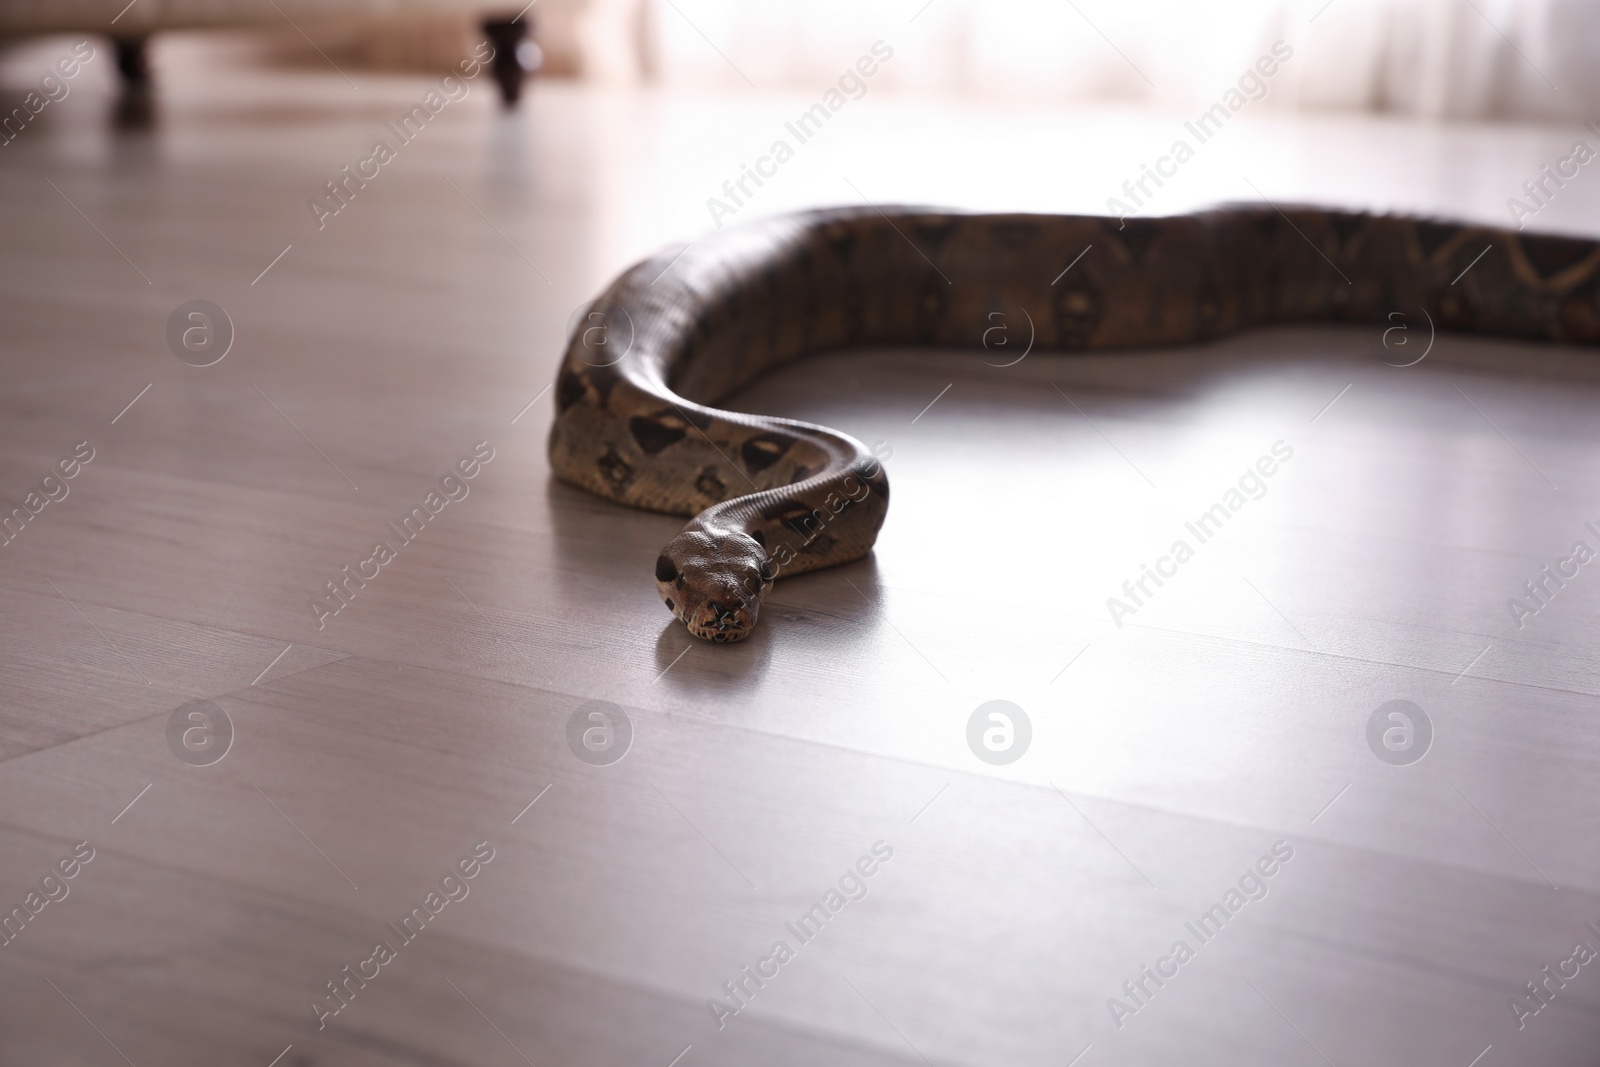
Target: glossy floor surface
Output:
{"points": [[1219, 766]]}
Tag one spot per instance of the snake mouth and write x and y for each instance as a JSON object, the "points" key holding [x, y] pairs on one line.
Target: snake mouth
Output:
{"points": [[723, 624], [727, 637], [723, 621]]}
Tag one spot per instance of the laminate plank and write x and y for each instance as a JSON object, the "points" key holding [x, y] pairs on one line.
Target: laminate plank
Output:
{"points": [[1168, 755]]}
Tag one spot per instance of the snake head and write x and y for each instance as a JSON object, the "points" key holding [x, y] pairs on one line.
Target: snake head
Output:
{"points": [[714, 583]]}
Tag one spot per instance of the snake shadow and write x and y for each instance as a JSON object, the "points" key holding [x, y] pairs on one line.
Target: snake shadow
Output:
{"points": [[816, 614], [605, 553]]}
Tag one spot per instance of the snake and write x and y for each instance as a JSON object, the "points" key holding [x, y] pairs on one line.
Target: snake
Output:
{"points": [[649, 360]]}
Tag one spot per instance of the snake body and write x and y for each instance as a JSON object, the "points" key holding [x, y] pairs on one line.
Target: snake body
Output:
{"points": [[635, 395]]}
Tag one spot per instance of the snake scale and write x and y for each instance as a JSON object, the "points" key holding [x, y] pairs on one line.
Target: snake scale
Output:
{"points": [[636, 418]]}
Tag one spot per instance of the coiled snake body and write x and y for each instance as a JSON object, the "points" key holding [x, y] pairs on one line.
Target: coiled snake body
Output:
{"points": [[771, 496]]}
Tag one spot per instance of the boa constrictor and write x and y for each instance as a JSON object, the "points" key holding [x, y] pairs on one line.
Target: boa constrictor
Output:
{"points": [[635, 418]]}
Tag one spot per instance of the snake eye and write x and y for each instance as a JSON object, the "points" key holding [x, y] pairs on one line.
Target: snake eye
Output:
{"points": [[666, 570]]}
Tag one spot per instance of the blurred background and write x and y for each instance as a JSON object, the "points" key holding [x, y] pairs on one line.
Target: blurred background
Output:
{"points": [[1509, 59]]}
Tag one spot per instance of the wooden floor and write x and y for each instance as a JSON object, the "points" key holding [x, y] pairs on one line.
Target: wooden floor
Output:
{"points": [[1226, 717]]}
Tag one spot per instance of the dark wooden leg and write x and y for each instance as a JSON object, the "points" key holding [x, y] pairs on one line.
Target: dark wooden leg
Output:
{"points": [[515, 54], [132, 63], [135, 107]]}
